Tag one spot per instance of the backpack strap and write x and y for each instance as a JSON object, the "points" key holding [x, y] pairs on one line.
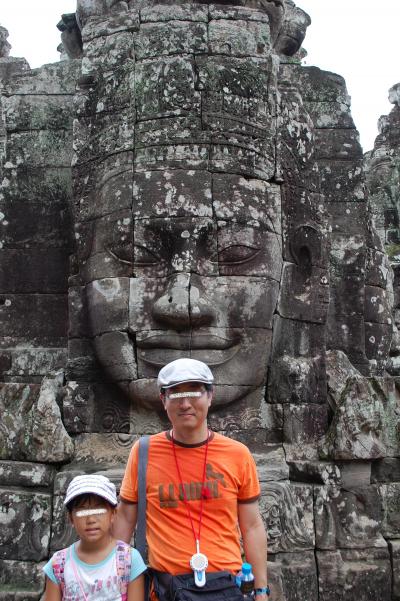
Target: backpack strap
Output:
{"points": [[140, 540], [58, 565], [123, 561]]}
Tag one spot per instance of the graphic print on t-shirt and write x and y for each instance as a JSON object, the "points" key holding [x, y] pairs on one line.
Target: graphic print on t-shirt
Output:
{"points": [[169, 495]]}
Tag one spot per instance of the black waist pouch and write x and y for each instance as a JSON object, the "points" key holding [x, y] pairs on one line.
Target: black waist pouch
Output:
{"points": [[220, 586]]}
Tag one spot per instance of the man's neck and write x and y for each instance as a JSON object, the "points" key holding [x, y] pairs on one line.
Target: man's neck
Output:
{"points": [[190, 436]]}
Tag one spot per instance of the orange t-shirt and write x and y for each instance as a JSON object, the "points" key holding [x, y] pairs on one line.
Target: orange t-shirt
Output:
{"points": [[231, 478]]}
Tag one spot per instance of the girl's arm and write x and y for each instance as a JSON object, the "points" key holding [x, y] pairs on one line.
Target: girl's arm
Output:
{"points": [[53, 591], [135, 590]]}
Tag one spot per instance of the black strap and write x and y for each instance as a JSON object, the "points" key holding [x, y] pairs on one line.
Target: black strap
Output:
{"points": [[140, 539]]}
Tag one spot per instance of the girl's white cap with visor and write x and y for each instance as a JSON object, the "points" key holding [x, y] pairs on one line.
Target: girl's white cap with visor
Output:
{"points": [[91, 484]]}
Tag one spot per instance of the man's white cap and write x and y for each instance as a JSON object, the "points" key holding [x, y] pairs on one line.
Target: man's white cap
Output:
{"points": [[94, 485], [184, 370]]}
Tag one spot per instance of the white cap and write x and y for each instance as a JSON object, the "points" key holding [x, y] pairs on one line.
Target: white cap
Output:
{"points": [[184, 370], [94, 485]]}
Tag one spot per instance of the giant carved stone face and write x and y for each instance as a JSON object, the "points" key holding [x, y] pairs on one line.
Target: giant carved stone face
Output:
{"points": [[178, 218]]}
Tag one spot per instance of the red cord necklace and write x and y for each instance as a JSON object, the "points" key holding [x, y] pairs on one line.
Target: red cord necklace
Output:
{"points": [[198, 561]]}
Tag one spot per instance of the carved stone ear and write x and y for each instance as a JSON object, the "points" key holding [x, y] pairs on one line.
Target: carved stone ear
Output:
{"points": [[305, 247]]}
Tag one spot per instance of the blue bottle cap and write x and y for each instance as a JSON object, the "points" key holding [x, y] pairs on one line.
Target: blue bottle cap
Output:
{"points": [[246, 568]]}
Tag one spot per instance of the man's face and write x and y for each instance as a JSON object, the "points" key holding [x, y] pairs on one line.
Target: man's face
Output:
{"points": [[186, 411]]}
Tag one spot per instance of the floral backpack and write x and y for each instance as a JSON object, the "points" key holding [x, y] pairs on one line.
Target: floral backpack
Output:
{"points": [[123, 556]]}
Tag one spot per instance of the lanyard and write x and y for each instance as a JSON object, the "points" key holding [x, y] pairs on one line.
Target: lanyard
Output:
{"points": [[185, 499]]}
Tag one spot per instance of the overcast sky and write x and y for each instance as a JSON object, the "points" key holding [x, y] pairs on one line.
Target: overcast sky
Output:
{"points": [[355, 38]]}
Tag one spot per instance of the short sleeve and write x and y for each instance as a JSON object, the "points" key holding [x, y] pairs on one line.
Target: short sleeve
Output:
{"points": [[129, 486], [137, 565], [250, 486], [48, 570]]}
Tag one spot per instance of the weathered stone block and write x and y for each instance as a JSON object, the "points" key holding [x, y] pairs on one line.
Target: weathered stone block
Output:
{"points": [[101, 135], [53, 79], [38, 362], [333, 115], [342, 180], [303, 427], [34, 224], [107, 51], [33, 270], [21, 580], [287, 512], [319, 472], [37, 319], [318, 85], [82, 363], [108, 302], [394, 548], [27, 475], [43, 148], [172, 193], [304, 293], [239, 38], [348, 519], [390, 495], [78, 407], [41, 186], [165, 87], [25, 525], [293, 576], [378, 340], [377, 268], [77, 312], [103, 187], [377, 305], [115, 352], [182, 12], [32, 112], [32, 426], [185, 129], [385, 470], [171, 37], [191, 156], [350, 574], [250, 201], [347, 333], [363, 426], [272, 465], [347, 219]]}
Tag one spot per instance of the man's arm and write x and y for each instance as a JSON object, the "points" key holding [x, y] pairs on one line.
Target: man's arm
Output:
{"points": [[125, 521], [254, 542]]}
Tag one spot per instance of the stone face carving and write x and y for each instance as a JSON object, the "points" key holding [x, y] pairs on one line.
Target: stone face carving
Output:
{"points": [[5, 46], [193, 189]]}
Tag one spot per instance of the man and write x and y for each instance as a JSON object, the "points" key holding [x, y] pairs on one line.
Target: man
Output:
{"points": [[200, 485]]}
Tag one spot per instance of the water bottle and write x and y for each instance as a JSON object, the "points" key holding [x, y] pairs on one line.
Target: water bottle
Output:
{"points": [[245, 581]]}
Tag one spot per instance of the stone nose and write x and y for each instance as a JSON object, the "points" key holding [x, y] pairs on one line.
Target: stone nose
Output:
{"points": [[182, 306]]}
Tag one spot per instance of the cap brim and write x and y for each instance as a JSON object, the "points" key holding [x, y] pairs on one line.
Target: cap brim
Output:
{"points": [[184, 382]]}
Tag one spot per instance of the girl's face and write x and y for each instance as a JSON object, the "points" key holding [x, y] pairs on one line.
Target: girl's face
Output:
{"points": [[93, 528]]}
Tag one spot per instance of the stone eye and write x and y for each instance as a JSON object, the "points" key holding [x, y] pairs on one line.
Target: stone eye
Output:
{"points": [[145, 257], [237, 254], [122, 253]]}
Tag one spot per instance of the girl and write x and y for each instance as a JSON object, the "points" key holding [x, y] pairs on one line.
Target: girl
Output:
{"points": [[97, 567]]}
